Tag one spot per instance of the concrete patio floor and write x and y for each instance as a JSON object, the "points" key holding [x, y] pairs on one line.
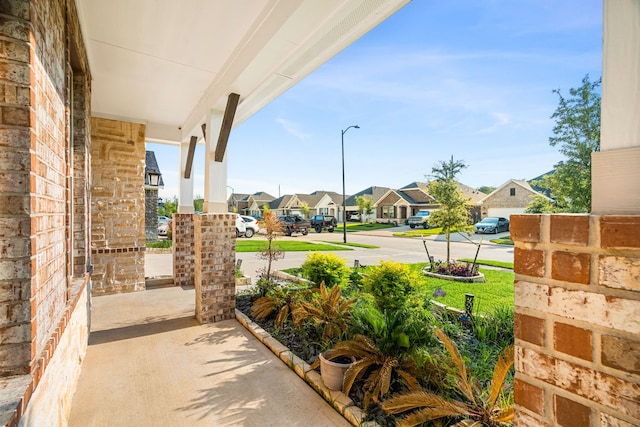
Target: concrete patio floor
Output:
{"points": [[150, 363]]}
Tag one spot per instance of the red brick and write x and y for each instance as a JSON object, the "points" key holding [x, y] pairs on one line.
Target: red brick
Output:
{"points": [[529, 396], [528, 262], [525, 228], [570, 413], [570, 229], [620, 231], [573, 341], [621, 354], [571, 267], [529, 328]]}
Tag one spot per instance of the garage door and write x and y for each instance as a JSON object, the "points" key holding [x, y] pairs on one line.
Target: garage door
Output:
{"points": [[504, 212]]}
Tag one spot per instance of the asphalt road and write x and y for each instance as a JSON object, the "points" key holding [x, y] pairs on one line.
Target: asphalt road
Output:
{"points": [[401, 249]]}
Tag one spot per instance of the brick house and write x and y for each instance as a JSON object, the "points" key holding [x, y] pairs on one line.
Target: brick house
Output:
{"points": [[512, 197], [78, 100]]}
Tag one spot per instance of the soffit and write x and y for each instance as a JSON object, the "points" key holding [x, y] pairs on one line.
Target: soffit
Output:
{"points": [[169, 63]]}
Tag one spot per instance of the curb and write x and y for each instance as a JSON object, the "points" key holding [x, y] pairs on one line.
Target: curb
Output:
{"points": [[338, 400]]}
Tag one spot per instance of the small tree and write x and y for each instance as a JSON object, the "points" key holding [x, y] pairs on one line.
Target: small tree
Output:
{"points": [[170, 207], [539, 205], [273, 226], [304, 208], [453, 212], [365, 206]]}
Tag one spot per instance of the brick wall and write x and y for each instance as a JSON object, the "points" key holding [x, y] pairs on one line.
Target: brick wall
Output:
{"points": [[504, 199], [577, 298], [215, 255], [117, 206], [183, 250]]}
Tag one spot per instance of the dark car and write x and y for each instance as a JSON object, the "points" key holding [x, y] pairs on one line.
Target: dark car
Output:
{"points": [[492, 225]]}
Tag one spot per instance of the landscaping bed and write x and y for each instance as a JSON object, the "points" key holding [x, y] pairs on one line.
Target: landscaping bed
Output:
{"points": [[385, 317]]}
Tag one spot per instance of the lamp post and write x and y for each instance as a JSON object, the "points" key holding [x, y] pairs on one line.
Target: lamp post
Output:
{"points": [[344, 211]]}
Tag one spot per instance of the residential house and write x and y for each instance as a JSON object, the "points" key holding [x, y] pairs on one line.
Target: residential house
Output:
{"points": [[292, 204], [510, 198], [374, 193], [256, 202], [238, 203]]}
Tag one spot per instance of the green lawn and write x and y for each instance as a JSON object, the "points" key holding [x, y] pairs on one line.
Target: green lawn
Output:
{"points": [[503, 241], [418, 232], [355, 245], [246, 245], [501, 264], [356, 226]]}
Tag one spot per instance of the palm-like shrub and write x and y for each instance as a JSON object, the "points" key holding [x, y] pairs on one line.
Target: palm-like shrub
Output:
{"points": [[326, 309], [278, 301], [328, 268], [382, 351], [474, 407]]}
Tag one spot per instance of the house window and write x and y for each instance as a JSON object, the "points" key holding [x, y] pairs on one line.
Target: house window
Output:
{"points": [[512, 191], [323, 211], [388, 212]]}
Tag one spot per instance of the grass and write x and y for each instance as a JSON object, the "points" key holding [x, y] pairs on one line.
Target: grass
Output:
{"points": [[367, 226], [501, 264], [160, 244], [503, 241], [418, 232], [355, 245], [287, 246]]}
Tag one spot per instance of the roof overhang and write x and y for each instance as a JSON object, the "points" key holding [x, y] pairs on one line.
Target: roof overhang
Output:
{"points": [[168, 64]]}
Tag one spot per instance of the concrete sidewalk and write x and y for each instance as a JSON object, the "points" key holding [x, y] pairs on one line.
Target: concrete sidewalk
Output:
{"points": [[150, 363]]}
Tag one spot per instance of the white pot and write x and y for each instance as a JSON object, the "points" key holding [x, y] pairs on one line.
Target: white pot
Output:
{"points": [[332, 373]]}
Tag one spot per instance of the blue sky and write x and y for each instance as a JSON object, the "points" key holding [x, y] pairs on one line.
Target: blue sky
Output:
{"points": [[468, 78]]}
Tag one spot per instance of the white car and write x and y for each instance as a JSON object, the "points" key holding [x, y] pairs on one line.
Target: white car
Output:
{"points": [[241, 228], [251, 224]]}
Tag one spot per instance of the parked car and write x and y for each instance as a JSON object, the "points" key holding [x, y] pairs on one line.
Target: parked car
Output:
{"points": [[162, 218], [320, 222], [492, 225], [163, 228], [420, 219], [295, 224], [241, 228], [251, 225]]}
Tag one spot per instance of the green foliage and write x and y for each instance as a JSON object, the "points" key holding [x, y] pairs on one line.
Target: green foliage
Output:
{"points": [[391, 284], [365, 206], [278, 301], [198, 203], [577, 133], [304, 208], [447, 171], [453, 212], [161, 244], [170, 207], [495, 328], [539, 205], [486, 189], [328, 268]]}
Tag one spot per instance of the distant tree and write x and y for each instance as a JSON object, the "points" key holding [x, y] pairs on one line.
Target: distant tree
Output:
{"points": [[198, 203], [447, 171], [577, 133], [365, 206], [170, 207], [540, 204], [453, 213], [304, 208], [486, 189], [273, 227]]}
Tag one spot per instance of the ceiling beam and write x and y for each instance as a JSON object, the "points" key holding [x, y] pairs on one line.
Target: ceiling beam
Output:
{"points": [[189, 164]]}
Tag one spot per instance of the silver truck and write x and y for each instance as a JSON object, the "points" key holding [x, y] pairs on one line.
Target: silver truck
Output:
{"points": [[420, 219]]}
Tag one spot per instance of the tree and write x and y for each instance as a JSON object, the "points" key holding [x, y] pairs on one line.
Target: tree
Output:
{"points": [[365, 206], [170, 207], [486, 189], [198, 203], [447, 171], [453, 212], [577, 134], [304, 208], [273, 227], [540, 204]]}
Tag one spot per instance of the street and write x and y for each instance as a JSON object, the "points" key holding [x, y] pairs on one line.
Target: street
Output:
{"points": [[401, 249]]}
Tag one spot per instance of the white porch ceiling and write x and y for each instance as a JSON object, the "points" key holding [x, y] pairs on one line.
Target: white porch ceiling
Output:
{"points": [[167, 63]]}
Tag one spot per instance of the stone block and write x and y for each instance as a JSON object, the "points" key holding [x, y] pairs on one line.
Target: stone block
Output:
{"points": [[570, 229], [572, 340], [619, 272], [571, 267], [529, 396], [621, 353], [525, 228], [570, 413], [529, 328], [620, 231], [529, 262]]}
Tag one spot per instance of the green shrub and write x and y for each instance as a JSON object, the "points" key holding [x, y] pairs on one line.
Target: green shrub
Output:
{"points": [[391, 285], [162, 244], [328, 268]]}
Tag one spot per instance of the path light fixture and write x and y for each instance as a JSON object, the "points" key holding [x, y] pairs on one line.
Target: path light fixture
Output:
{"points": [[344, 211]]}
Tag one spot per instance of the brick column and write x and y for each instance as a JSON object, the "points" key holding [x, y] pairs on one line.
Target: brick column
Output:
{"points": [[183, 250], [577, 330], [215, 246]]}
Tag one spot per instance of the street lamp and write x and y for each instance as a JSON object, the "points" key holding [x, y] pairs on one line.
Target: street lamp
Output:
{"points": [[344, 211]]}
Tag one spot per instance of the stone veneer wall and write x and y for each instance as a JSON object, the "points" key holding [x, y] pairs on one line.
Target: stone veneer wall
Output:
{"points": [[183, 250], [215, 250], [117, 206], [577, 324], [151, 214]]}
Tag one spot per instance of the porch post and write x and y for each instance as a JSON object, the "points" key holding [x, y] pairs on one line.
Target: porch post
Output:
{"points": [[215, 173]]}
